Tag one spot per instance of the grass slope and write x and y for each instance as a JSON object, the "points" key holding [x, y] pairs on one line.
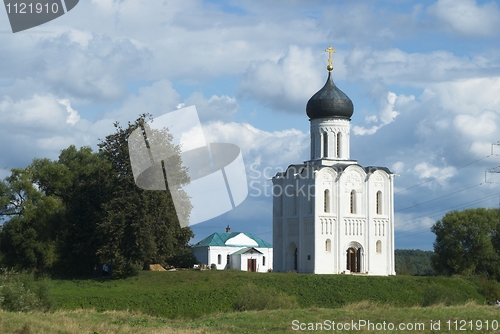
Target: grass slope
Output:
{"points": [[192, 294]]}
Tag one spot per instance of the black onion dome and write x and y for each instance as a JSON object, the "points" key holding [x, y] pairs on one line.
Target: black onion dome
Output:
{"points": [[329, 102]]}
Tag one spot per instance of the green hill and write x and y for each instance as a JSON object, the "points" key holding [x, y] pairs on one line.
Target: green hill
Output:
{"points": [[196, 293]]}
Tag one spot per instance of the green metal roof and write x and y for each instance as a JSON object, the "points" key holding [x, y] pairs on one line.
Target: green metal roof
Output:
{"points": [[220, 238]]}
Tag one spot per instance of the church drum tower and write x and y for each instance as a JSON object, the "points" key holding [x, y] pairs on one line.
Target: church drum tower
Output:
{"points": [[331, 215]]}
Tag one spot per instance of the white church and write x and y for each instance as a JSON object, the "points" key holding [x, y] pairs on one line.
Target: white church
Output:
{"points": [[331, 215]]}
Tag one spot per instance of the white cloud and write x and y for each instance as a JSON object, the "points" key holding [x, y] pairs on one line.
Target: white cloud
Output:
{"points": [[37, 112], [157, 99], [277, 148], [386, 115], [396, 66], [468, 96], [73, 116], [425, 170], [215, 108], [398, 167], [287, 83], [480, 125], [467, 18]]}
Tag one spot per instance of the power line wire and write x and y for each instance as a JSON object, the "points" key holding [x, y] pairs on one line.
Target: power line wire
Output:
{"points": [[437, 177]]}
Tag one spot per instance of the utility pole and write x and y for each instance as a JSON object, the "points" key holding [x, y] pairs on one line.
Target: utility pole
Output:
{"points": [[493, 147], [495, 169]]}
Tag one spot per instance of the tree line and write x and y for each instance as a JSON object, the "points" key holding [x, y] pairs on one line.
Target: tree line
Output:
{"points": [[468, 243], [64, 217], [413, 262]]}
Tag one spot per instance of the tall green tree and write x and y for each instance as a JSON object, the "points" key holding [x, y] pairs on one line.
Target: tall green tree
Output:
{"points": [[80, 178], [27, 238], [141, 226], [467, 243]]}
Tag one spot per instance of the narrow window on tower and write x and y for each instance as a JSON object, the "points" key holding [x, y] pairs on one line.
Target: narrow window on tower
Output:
{"points": [[325, 144], [353, 202], [338, 144], [281, 204], [219, 259], [310, 199], [328, 245], [313, 155], [327, 201], [379, 202]]}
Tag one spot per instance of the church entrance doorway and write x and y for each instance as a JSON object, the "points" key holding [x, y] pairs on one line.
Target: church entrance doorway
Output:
{"points": [[252, 265], [353, 260]]}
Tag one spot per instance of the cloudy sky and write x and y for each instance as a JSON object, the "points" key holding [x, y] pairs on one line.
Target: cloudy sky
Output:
{"points": [[424, 77]]}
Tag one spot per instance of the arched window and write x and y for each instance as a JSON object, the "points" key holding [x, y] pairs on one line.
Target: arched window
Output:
{"points": [[353, 202], [219, 259], [328, 245], [294, 203], [326, 200], [379, 203], [338, 144], [310, 199], [263, 260], [379, 246], [325, 144]]}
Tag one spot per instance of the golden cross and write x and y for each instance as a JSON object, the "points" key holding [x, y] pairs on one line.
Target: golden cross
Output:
{"points": [[330, 50]]}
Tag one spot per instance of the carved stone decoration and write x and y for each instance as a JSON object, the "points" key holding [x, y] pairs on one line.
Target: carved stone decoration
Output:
{"points": [[353, 181], [293, 227]]}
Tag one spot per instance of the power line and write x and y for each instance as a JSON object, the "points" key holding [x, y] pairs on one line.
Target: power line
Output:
{"points": [[420, 227], [439, 197], [437, 177], [446, 209]]}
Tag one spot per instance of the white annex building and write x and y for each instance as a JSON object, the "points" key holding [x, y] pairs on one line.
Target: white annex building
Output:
{"points": [[331, 215], [235, 250]]}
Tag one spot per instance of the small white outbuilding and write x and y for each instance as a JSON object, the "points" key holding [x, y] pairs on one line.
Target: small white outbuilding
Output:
{"points": [[235, 250]]}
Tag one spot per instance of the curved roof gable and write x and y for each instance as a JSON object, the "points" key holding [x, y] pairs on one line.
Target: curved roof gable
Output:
{"points": [[233, 239], [241, 240]]}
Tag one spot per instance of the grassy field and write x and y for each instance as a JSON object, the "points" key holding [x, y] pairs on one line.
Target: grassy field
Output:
{"points": [[242, 302], [450, 319]]}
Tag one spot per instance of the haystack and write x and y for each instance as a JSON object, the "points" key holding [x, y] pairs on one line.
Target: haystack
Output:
{"points": [[156, 267]]}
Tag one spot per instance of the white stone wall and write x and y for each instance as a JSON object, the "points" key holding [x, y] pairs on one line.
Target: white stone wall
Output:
{"points": [[215, 251], [360, 227], [211, 255]]}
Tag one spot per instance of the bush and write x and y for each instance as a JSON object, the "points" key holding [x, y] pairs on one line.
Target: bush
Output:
{"points": [[434, 295], [183, 258], [126, 270], [21, 293], [254, 298], [489, 288]]}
